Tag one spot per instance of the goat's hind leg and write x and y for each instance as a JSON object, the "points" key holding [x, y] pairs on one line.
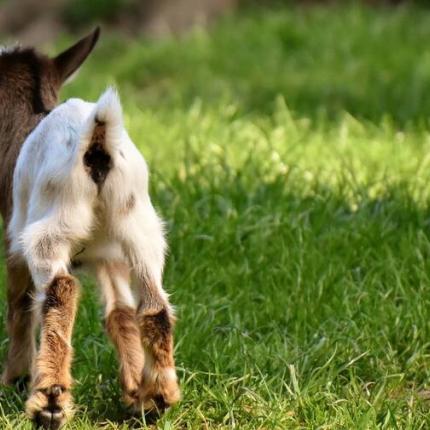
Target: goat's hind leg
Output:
{"points": [[143, 340], [159, 386], [141, 236], [50, 402], [121, 326], [20, 289]]}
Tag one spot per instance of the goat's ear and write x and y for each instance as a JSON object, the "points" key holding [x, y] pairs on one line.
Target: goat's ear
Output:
{"points": [[69, 61]]}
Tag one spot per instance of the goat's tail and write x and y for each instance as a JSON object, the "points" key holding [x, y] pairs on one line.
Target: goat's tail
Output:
{"points": [[102, 135]]}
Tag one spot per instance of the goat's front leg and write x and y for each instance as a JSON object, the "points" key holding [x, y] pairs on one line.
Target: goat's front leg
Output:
{"points": [[50, 402]]}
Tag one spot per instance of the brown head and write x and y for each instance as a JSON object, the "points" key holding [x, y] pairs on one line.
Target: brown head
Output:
{"points": [[29, 87]]}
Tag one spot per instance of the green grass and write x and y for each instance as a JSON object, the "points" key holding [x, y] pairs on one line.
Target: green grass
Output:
{"points": [[290, 157]]}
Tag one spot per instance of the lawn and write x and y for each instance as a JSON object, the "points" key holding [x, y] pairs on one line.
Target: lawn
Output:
{"points": [[290, 156]]}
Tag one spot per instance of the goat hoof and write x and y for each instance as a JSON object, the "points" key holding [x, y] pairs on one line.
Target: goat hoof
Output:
{"points": [[160, 392], [130, 397], [47, 419], [50, 408]]}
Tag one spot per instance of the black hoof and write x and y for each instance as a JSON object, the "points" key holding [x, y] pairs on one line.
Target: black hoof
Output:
{"points": [[49, 419], [52, 416]]}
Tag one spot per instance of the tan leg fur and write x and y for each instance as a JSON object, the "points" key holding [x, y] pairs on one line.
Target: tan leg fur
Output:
{"points": [[50, 402]]}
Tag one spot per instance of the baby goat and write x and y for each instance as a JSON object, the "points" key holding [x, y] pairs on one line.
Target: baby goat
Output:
{"points": [[80, 197]]}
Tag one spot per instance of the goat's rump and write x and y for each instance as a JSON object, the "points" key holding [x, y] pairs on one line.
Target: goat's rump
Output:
{"points": [[81, 157]]}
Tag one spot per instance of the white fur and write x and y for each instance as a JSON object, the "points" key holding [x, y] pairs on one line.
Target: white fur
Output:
{"points": [[57, 208]]}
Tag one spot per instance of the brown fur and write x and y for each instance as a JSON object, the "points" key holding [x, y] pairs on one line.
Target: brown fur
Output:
{"points": [[156, 390], [156, 329], [97, 161], [122, 328], [19, 323], [58, 315], [28, 90], [157, 337], [52, 380]]}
